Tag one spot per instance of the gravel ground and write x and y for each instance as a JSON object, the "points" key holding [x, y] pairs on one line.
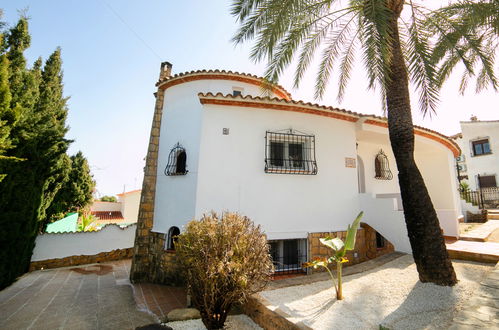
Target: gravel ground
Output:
{"points": [[390, 295], [234, 322]]}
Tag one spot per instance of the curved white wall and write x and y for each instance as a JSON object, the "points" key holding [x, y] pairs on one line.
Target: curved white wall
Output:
{"points": [[175, 202]]}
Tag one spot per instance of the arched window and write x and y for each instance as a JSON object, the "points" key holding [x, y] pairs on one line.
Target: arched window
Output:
{"points": [[171, 239], [382, 167], [177, 161]]}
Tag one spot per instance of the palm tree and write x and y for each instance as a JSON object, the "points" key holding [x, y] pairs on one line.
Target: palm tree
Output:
{"points": [[395, 49]]}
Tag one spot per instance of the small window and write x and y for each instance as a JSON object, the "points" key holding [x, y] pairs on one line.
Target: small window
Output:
{"points": [[290, 153], [171, 239], [237, 91], [177, 161], [487, 181], [382, 167], [380, 241], [481, 147]]}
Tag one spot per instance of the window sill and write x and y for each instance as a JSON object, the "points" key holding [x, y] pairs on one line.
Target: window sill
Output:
{"points": [[288, 171], [488, 153]]}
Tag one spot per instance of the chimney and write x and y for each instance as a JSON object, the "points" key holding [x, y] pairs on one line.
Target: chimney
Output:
{"points": [[165, 71], [473, 118]]}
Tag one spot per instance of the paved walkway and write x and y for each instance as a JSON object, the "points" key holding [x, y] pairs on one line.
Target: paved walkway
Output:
{"points": [[482, 310], [482, 232], [159, 299], [86, 297]]}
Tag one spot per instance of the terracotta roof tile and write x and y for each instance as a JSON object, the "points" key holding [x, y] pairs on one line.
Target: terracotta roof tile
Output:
{"points": [[129, 192], [219, 72], [339, 113], [108, 215]]}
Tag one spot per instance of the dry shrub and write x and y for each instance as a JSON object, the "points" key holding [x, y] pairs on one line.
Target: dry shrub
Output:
{"points": [[225, 259]]}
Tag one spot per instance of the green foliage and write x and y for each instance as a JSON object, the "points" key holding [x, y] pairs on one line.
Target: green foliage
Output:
{"points": [[464, 186], [108, 199], [86, 222], [32, 147], [76, 192], [340, 248], [225, 260], [332, 32]]}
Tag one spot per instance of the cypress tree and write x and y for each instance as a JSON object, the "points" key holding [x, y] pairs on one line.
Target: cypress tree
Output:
{"points": [[38, 140], [77, 191]]}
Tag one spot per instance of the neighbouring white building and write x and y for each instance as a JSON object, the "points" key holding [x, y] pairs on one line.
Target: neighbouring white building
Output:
{"points": [[218, 142], [123, 212], [479, 159]]}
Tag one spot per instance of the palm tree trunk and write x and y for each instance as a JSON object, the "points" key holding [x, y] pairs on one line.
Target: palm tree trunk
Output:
{"points": [[427, 243]]}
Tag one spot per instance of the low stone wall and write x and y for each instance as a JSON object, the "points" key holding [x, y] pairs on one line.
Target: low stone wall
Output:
{"points": [[165, 268], [82, 260], [365, 246]]}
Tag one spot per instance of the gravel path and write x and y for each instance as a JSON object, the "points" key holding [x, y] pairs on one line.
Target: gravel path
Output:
{"points": [[234, 322], [390, 295]]}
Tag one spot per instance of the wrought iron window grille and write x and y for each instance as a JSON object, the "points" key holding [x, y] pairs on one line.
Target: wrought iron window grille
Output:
{"points": [[177, 161], [290, 152], [382, 167]]}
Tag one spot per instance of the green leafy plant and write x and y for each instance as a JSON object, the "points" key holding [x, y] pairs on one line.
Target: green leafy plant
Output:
{"points": [[464, 186], [340, 248], [108, 199], [87, 222], [225, 259]]}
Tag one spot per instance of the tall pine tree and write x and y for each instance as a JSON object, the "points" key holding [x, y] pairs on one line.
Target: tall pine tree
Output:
{"points": [[76, 193], [38, 139]]}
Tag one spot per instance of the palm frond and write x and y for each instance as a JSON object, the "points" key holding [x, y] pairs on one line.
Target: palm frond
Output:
{"points": [[330, 54], [421, 68]]}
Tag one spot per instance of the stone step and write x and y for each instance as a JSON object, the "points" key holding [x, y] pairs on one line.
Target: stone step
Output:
{"points": [[474, 251], [493, 216], [481, 233]]}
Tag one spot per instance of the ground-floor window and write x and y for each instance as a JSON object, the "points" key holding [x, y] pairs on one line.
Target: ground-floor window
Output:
{"points": [[288, 255]]}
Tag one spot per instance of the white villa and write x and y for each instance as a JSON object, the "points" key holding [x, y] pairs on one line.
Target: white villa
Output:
{"points": [[295, 168], [292, 167], [479, 160]]}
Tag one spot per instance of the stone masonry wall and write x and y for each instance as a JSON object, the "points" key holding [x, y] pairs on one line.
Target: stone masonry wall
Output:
{"points": [[143, 260], [365, 246], [81, 260], [370, 239]]}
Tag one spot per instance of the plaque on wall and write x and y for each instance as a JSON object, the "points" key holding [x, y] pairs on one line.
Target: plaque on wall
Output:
{"points": [[350, 162]]}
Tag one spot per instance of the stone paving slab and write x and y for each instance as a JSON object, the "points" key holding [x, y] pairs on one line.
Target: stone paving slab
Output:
{"points": [[474, 251], [482, 232], [83, 297], [482, 310]]}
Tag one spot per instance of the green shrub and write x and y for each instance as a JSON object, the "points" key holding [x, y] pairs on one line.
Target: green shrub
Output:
{"points": [[225, 260]]}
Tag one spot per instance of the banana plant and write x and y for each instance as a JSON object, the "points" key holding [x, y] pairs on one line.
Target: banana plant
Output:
{"points": [[340, 248]]}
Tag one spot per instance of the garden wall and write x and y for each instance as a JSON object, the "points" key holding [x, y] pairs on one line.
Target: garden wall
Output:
{"points": [[67, 249]]}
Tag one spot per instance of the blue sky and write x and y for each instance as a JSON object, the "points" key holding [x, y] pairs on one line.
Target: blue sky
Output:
{"points": [[112, 51]]}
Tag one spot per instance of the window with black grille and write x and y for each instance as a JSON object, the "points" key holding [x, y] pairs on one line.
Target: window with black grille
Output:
{"points": [[382, 167], [177, 161], [290, 153]]}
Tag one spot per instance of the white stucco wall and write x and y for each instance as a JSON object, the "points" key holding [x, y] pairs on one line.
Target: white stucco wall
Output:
{"points": [[483, 164], [226, 172], [175, 202], [383, 215], [130, 206], [61, 245], [105, 206], [232, 177]]}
